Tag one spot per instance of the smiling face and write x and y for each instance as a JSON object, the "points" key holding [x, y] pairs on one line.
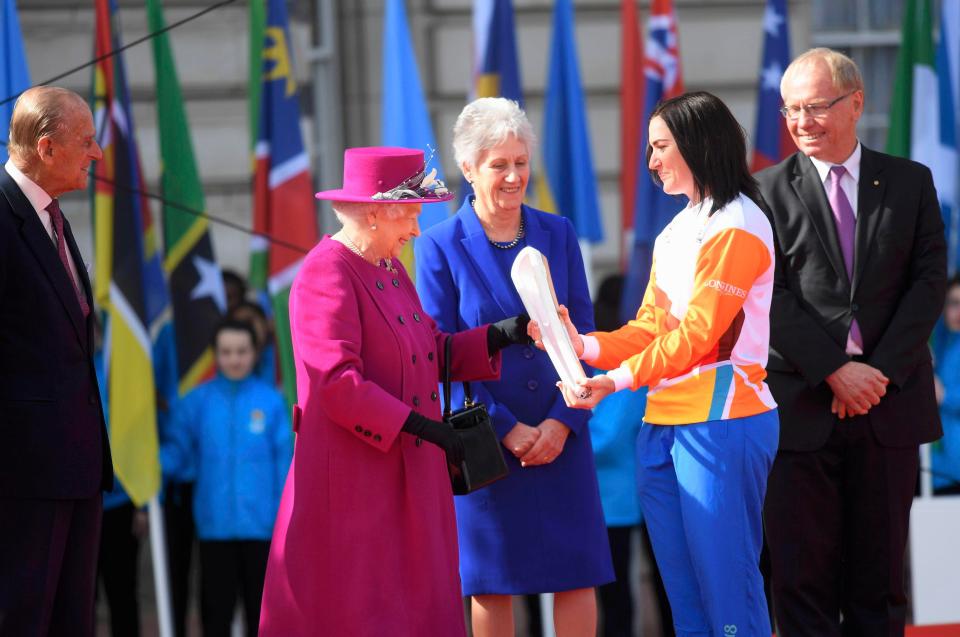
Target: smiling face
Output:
{"points": [[500, 178], [832, 136], [395, 231], [666, 160], [66, 155]]}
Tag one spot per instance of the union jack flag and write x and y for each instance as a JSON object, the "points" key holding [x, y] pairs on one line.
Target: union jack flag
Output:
{"points": [[654, 208]]}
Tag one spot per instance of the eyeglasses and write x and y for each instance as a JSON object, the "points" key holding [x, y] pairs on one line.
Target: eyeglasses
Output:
{"points": [[812, 110]]}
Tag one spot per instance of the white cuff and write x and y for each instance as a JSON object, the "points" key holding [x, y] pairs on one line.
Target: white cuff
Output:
{"points": [[591, 348], [622, 378]]}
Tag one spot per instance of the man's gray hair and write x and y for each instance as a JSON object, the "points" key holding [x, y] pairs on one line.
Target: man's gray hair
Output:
{"points": [[846, 75], [39, 112], [487, 122]]}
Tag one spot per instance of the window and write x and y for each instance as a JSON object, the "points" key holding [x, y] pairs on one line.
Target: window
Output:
{"points": [[869, 32]]}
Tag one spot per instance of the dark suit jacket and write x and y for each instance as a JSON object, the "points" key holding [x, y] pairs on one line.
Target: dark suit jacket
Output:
{"points": [[53, 443], [896, 295]]}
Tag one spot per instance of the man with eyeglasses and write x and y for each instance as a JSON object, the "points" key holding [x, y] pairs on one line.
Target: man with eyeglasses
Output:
{"points": [[859, 284]]}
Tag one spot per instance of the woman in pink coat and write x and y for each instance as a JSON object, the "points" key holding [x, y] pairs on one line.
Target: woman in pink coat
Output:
{"points": [[365, 541]]}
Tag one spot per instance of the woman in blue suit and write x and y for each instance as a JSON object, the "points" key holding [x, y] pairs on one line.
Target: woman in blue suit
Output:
{"points": [[541, 529]]}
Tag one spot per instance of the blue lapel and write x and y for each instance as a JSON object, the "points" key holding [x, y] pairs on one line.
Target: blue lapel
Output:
{"points": [[481, 255]]}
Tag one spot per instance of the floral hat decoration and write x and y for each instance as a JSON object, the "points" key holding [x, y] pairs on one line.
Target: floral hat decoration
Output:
{"points": [[388, 174]]}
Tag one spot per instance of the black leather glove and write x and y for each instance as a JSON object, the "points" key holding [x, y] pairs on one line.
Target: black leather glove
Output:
{"points": [[438, 433], [509, 331]]}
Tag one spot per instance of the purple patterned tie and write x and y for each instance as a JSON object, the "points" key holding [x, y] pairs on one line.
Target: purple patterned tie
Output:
{"points": [[846, 231], [57, 218]]}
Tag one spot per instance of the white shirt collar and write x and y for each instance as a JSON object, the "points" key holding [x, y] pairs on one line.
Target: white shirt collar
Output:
{"points": [[36, 195], [852, 164]]}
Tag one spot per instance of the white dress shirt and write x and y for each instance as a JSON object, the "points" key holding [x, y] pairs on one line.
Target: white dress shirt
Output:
{"points": [[39, 199], [849, 183]]}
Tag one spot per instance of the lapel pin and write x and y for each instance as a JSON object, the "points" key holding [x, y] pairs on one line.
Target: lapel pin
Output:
{"points": [[876, 182]]}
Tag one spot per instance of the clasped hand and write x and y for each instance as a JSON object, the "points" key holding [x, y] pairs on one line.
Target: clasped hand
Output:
{"points": [[538, 445], [857, 387]]}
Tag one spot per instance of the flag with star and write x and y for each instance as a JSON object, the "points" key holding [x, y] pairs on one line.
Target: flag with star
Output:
{"points": [[196, 286], [129, 285], [772, 142], [283, 190], [654, 208]]}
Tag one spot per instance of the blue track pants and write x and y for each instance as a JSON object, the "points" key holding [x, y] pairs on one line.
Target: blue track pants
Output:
{"points": [[701, 490]]}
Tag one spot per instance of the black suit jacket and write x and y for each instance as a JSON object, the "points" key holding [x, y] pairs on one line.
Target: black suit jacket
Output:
{"points": [[53, 442], [896, 295]]}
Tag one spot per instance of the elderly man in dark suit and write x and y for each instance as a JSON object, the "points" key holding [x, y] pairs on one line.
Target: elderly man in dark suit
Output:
{"points": [[54, 454], [859, 284]]}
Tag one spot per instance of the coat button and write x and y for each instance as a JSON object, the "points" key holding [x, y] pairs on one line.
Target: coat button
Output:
{"points": [[416, 317], [414, 358], [396, 283], [416, 401], [377, 437], [854, 307], [379, 285], [430, 357], [358, 429], [419, 442], [532, 385], [433, 396], [367, 433], [400, 318], [528, 352]]}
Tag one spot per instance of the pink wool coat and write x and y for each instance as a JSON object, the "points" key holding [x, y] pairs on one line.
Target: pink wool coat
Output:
{"points": [[365, 542]]}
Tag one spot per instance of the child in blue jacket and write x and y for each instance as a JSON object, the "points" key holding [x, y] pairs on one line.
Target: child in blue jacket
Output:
{"points": [[232, 435]]}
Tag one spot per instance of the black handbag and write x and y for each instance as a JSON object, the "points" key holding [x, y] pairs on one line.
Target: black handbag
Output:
{"points": [[483, 457]]}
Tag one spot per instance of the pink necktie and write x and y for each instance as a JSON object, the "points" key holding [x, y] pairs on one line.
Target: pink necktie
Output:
{"points": [[57, 218], [846, 231]]}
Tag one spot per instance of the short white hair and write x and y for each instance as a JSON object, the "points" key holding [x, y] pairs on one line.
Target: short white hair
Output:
{"points": [[487, 122], [357, 210], [843, 71]]}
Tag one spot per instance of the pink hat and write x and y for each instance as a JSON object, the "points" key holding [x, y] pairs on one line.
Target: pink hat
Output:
{"points": [[389, 175]]}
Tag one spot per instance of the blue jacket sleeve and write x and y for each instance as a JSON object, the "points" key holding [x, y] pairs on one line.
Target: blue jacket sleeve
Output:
{"points": [[282, 443], [440, 299], [178, 452]]}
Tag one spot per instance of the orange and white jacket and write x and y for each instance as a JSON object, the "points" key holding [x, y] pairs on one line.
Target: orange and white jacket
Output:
{"points": [[700, 338]]}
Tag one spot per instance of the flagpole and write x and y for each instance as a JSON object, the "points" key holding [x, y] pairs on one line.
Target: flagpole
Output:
{"points": [[158, 553]]}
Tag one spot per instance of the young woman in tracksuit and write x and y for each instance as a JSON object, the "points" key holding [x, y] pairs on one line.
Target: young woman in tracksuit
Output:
{"points": [[232, 435], [699, 342]]}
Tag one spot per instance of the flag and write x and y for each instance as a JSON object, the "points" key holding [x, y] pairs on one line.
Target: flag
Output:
{"points": [[196, 286], [772, 141], [14, 76], [259, 246], [404, 117], [496, 72], [946, 170], [567, 157], [654, 208], [125, 274], [283, 205], [914, 110], [631, 110]]}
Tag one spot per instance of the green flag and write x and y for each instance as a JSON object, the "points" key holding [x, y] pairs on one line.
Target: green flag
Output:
{"points": [[913, 109], [196, 286], [258, 246]]}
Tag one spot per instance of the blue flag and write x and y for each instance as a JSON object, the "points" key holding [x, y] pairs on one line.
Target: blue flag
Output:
{"points": [[772, 141], [947, 168], [567, 157], [404, 118], [14, 76], [495, 69]]}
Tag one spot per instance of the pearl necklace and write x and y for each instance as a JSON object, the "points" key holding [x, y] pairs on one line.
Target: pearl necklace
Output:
{"points": [[352, 247], [504, 245]]}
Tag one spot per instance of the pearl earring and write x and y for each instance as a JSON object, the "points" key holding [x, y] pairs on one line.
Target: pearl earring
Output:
{"points": [[373, 227]]}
